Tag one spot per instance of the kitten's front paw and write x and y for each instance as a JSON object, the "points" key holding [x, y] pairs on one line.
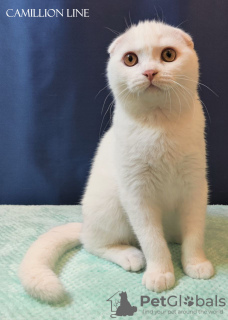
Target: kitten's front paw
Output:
{"points": [[203, 270], [132, 259], [158, 281]]}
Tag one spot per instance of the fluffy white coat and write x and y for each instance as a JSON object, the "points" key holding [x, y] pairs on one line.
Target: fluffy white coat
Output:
{"points": [[148, 180]]}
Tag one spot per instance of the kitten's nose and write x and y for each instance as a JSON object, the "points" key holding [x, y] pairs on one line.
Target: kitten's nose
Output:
{"points": [[150, 74]]}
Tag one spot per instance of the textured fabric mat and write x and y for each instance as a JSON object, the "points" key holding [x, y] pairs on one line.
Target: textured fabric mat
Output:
{"points": [[91, 280]]}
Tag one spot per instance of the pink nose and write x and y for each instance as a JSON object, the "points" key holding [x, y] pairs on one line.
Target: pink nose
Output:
{"points": [[150, 74]]}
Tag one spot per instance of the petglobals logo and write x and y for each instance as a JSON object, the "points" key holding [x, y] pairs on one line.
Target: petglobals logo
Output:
{"points": [[120, 305], [178, 301]]}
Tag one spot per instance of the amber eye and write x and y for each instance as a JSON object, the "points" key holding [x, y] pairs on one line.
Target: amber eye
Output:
{"points": [[168, 55], [130, 59]]}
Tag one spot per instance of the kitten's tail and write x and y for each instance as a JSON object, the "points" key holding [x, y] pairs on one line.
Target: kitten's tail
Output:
{"points": [[35, 270]]}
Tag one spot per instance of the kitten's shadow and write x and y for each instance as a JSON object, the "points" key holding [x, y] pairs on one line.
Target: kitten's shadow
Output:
{"points": [[175, 250]]}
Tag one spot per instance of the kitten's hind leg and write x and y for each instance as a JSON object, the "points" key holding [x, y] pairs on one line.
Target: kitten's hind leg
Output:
{"points": [[128, 257]]}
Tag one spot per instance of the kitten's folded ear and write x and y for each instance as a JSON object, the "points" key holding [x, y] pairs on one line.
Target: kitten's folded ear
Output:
{"points": [[114, 44], [187, 38]]}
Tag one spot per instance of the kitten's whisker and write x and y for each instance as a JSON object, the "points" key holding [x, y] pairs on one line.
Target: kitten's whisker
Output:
{"points": [[126, 23], [206, 109], [103, 119], [187, 90], [123, 84], [158, 18], [169, 100], [184, 77], [110, 118], [119, 95], [167, 87], [107, 121], [130, 18], [109, 108], [184, 96], [163, 17], [190, 94], [125, 99], [181, 23], [179, 101], [105, 101], [204, 85], [114, 31], [100, 91]]}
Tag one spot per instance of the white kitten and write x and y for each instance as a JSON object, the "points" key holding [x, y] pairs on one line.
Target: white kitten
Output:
{"points": [[148, 180]]}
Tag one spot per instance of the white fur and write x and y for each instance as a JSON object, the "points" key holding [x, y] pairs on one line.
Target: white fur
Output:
{"points": [[148, 181], [35, 270]]}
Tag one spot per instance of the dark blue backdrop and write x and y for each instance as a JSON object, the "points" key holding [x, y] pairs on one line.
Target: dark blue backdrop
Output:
{"points": [[50, 72]]}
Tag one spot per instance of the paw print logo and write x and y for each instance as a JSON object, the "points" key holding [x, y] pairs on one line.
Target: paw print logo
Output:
{"points": [[188, 301]]}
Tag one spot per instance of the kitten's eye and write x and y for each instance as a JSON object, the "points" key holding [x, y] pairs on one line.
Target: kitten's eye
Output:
{"points": [[130, 59], [168, 55]]}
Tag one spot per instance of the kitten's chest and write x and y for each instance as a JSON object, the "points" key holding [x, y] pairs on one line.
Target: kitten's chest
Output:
{"points": [[152, 147], [154, 165], [153, 160]]}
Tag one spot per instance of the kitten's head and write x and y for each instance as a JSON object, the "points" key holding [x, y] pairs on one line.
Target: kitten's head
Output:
{"points": [[150, 59]]}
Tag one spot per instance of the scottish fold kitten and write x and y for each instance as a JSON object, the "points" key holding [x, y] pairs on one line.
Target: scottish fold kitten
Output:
{"points": [[148, 183]]}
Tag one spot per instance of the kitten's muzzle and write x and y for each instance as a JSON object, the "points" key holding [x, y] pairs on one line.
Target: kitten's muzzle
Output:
{"points": [[150, 74]]}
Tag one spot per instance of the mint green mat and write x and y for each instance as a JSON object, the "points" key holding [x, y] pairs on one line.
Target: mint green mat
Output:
{"points": [[91, 280]]}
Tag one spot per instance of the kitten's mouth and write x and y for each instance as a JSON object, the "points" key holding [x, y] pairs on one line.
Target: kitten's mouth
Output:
{"points": [[152, 87]]}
